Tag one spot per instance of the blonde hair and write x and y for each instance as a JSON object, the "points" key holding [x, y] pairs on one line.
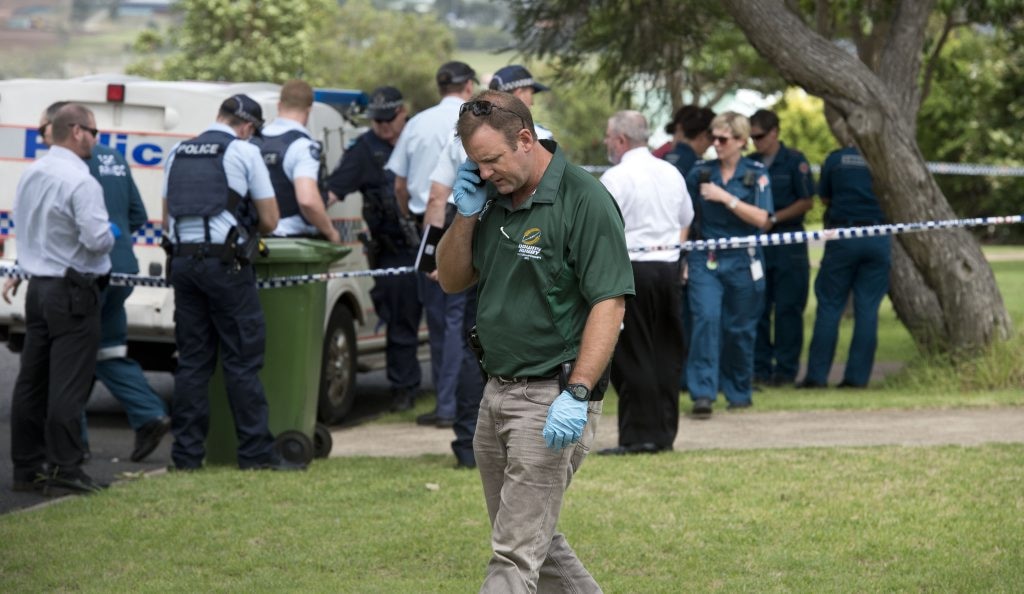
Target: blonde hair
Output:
{"points": [[737, 123]]}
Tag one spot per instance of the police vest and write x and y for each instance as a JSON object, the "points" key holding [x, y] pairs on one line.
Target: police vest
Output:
{"points": [[197, 185], [273, 149]]}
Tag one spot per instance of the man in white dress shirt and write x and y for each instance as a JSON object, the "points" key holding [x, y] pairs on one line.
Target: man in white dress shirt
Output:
{"points": [[656, 209], [64, 241]]}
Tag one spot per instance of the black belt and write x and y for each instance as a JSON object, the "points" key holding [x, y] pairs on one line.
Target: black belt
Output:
{"points": [[204, 250], [526, 378], [854, 223]]}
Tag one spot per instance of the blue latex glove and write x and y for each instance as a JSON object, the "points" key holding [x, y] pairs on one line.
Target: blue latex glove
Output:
{"points": [[115, 230], [468, 190], [566, 419]]}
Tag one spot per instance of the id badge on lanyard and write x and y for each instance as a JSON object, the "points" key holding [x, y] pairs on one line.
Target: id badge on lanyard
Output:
{"points": [[756, 269]]}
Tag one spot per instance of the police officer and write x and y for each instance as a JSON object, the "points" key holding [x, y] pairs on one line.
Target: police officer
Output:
{"points": [[726, 289], [293, 159], [691, 129], [217, 199], [516, 79], [859, 265], [787, 267], [391, 243]]}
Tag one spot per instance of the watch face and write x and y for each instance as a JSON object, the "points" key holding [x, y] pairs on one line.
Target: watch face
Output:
{"points": [[580, 392]]}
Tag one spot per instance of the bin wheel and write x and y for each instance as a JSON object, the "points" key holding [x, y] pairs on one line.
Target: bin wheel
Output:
{"points": [[294, 446], [338, 370], [322, 441]]}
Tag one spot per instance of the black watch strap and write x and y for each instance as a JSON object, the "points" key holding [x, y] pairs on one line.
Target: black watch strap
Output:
{"points": [[579, 392]]}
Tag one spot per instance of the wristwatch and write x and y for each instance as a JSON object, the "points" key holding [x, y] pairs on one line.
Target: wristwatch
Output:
{"points": [[773, 219], [732, 203], [579, 392]]}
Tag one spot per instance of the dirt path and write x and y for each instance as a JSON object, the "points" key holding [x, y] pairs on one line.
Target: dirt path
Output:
{"points": [[744, 430]]}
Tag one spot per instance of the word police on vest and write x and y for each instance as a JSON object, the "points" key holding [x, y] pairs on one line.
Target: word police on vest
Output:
{"points": [[198, 149]]}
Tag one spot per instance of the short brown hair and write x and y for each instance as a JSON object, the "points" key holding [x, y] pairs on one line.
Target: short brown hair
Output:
{"points": [[66, 118], [507, 114], [296, 94]]}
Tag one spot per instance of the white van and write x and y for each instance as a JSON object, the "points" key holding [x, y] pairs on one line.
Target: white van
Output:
{"points": [[143, 119]]}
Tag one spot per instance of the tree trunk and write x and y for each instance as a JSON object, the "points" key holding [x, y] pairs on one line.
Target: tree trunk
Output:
{"points": [[941, 286]]}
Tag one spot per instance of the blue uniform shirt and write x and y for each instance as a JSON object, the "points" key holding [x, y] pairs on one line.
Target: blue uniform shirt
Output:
{"points": [[846, 183], [791, 178], [124, 204], [716, 220], [246, 173], [683, 157]]}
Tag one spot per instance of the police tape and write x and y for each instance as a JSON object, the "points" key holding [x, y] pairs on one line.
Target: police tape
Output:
{"points": [[785, 238], [131, 280], [936, 167], [795, 237]]}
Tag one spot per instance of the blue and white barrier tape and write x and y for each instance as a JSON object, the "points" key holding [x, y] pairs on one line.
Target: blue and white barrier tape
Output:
{"points": [[937, 168], [794, 237], [788, 238], [131, 280]]}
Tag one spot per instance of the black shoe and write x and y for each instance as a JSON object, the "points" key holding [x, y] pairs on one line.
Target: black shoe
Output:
{"points": [[465, 464], [71, 482], [429, 418], [403, 400], [148, 437], [810, 385], [278, 464], [635, 448], [33, 481], [778, 381], [444, 422], [172, 467], [847, 384], [739, 405], [702, 408]]}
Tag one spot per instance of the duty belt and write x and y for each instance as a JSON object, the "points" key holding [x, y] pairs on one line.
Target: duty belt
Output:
{"points": [[526, 378], [204, 250]]}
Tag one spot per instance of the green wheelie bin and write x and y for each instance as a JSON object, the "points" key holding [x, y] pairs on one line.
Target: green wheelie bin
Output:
{"points": [[294, 317]]}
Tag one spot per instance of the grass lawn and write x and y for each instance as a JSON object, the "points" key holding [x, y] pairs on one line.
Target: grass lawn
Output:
{"points": [[948, 519]]}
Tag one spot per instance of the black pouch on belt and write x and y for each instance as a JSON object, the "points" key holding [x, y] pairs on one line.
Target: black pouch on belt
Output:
{"points": [[83, 292]]}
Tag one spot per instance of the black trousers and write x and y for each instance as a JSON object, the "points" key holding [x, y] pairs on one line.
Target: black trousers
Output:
{"points": [[469, 393], [398, 305], [217, 308], [648, 357], [56, 376]]}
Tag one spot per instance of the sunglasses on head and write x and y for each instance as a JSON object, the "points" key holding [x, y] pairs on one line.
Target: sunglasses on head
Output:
{"points": [[481, 108], [722, 139], [93, 131]]}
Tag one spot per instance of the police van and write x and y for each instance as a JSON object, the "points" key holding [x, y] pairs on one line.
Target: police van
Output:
{"points": [[143, 119]]}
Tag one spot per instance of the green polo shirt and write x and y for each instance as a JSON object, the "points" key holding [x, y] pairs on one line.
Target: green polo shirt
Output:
{"points": [[542, 267]]}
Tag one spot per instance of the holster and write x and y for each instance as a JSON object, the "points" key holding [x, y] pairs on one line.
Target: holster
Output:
{"points": [[84, 291]]}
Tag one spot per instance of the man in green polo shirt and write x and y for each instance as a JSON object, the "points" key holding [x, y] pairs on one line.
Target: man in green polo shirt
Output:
{"points": [[545, 242]]}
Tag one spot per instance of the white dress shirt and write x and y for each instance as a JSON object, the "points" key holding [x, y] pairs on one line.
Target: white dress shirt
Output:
{"points": [[655, 204], [418, 147], [60, 218]]}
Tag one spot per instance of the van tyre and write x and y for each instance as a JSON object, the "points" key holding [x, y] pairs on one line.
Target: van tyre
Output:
{"points": [[338, 369]]}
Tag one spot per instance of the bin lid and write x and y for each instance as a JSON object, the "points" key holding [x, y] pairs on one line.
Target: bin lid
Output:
{"points": [[294, 250]]}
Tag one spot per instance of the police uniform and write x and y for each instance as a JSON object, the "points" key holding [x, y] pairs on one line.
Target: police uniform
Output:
{"points": [[209, 185], [683, 157], [787, 274], [289, 151], [726, 286], [860, 266], [542, 266], [362, 169], [121, 375]]}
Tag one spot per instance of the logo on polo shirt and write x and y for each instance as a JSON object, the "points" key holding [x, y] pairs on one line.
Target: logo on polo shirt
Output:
{"points": [[528, 249]]}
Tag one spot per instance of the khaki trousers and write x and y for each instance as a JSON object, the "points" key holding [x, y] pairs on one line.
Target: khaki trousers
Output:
{"points": [[524, 483]]}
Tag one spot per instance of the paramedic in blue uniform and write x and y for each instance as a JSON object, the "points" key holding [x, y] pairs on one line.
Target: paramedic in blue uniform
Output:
{"points": [[691, 129], [733, 197], [787, 267], [860, 266], [293, 160], [217, 199], [389, 245], [122, 376], [64, 237]]}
